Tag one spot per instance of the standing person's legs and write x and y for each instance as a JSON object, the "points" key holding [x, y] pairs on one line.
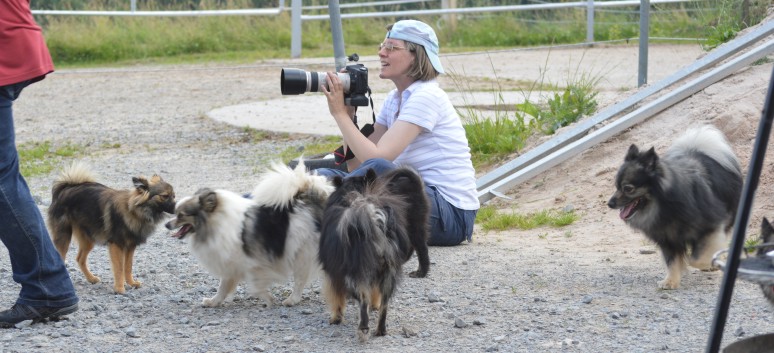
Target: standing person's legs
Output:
{"points": [[46, 288]]}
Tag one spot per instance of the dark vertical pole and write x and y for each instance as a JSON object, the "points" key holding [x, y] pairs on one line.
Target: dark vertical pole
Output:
{"points": [[740, 225]]}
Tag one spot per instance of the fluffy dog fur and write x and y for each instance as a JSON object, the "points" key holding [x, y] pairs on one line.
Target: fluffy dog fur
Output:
{"points": [[685, 202], [96, 214], [370, 228], [263, 239], [767, 236]]}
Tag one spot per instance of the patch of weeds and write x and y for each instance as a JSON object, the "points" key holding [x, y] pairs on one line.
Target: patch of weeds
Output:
{"points": [[491, 138], [255, 135], [563, 107], [504, 221], [719, 34], [762, 61], [318, 145], [751, 243], [504, 132], [39, 158], [485, 213], [726, 18]]}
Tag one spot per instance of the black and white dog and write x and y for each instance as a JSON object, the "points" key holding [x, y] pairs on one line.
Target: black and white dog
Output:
{"points": [[264, 239]]}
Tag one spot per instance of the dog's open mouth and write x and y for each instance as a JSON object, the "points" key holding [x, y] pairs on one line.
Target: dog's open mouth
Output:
{"points": [[183, 231], [630, 209]]}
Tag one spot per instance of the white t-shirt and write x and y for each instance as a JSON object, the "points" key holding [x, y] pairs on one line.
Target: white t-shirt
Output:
{"points": [[440, 153]]}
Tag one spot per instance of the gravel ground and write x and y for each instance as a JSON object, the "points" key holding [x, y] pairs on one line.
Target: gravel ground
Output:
{"points": [[590, 287]]}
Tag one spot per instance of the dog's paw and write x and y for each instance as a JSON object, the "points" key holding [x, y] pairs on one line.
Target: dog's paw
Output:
{"points": [[290, 301], [270, 302], [119, 289], [418, 274], [134, 284], [93, 279], [210, 302], [335, 320], [668, 284], [362, 335]]}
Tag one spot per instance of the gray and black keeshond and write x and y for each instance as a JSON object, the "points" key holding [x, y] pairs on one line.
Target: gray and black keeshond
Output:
{"points": [[685, 201], [767, 237]]}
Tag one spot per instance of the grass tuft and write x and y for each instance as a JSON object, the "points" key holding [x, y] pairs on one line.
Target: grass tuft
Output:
{"points": [[490, 219], [40, 158]]}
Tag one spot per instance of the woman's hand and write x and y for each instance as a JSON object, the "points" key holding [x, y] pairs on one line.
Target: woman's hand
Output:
{"points": [[335, 95]]}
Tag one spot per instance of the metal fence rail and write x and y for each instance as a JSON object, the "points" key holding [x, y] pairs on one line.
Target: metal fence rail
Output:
{"points": [[297, 9]]}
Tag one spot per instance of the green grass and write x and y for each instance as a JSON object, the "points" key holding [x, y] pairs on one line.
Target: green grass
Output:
{"points": [[495, 137], [490, 138], [40, 158], [319, 145], [99, 40], [490, 219], [564, 106]]}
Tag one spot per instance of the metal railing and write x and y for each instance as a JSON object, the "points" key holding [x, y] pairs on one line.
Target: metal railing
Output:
{"points": [[587, 5], [298, 17], [447, 9]]}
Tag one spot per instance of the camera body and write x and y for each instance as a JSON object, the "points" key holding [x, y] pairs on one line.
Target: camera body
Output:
{"points": [[354, 80]]}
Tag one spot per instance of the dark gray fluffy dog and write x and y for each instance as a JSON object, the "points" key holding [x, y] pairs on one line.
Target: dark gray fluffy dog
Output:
{"points": [[685, 202], [371, 226]]}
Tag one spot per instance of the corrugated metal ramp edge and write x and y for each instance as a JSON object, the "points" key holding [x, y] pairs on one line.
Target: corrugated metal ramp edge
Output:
{"points": [[577, 139]]}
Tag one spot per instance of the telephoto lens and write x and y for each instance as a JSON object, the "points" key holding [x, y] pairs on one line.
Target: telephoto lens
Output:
{"points": [[297, 81]]}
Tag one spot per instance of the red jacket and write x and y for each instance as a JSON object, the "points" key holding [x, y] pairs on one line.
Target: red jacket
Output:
{"points": [[23, 51]]}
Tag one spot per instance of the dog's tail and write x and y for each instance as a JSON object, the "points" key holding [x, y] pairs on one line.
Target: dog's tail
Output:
{"points": [[355, 242], [74, 174], [709, 140], [280, 185]]}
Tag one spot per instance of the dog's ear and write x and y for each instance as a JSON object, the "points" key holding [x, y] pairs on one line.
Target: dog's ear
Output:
{"points": [[767, 230], [208, 200], [649, 159], [140, 183], [155, 179], [767, 236], [337, 181], [632, 153], [370, 175]]}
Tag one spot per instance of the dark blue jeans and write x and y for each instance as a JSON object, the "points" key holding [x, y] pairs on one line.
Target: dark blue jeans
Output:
{"points": [[449, 225], [35, 263]]}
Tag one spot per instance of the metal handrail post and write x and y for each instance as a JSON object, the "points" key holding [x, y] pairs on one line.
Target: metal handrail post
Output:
{"points": [[740, 225], [642, 77], [590, 22], [295, 29], [339, 56]]}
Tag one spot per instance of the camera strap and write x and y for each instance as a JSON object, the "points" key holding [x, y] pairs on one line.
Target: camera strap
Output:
{"points": [[339, 155]]}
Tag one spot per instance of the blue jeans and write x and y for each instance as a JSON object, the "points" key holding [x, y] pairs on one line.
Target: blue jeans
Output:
{"points": [[35, 263], [449, 225]]}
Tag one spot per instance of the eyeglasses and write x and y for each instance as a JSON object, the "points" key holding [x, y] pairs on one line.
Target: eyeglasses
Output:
{"points": [[390, 46]]}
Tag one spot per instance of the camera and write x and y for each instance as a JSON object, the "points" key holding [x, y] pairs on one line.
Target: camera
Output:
{"points": [[354, 81]]}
